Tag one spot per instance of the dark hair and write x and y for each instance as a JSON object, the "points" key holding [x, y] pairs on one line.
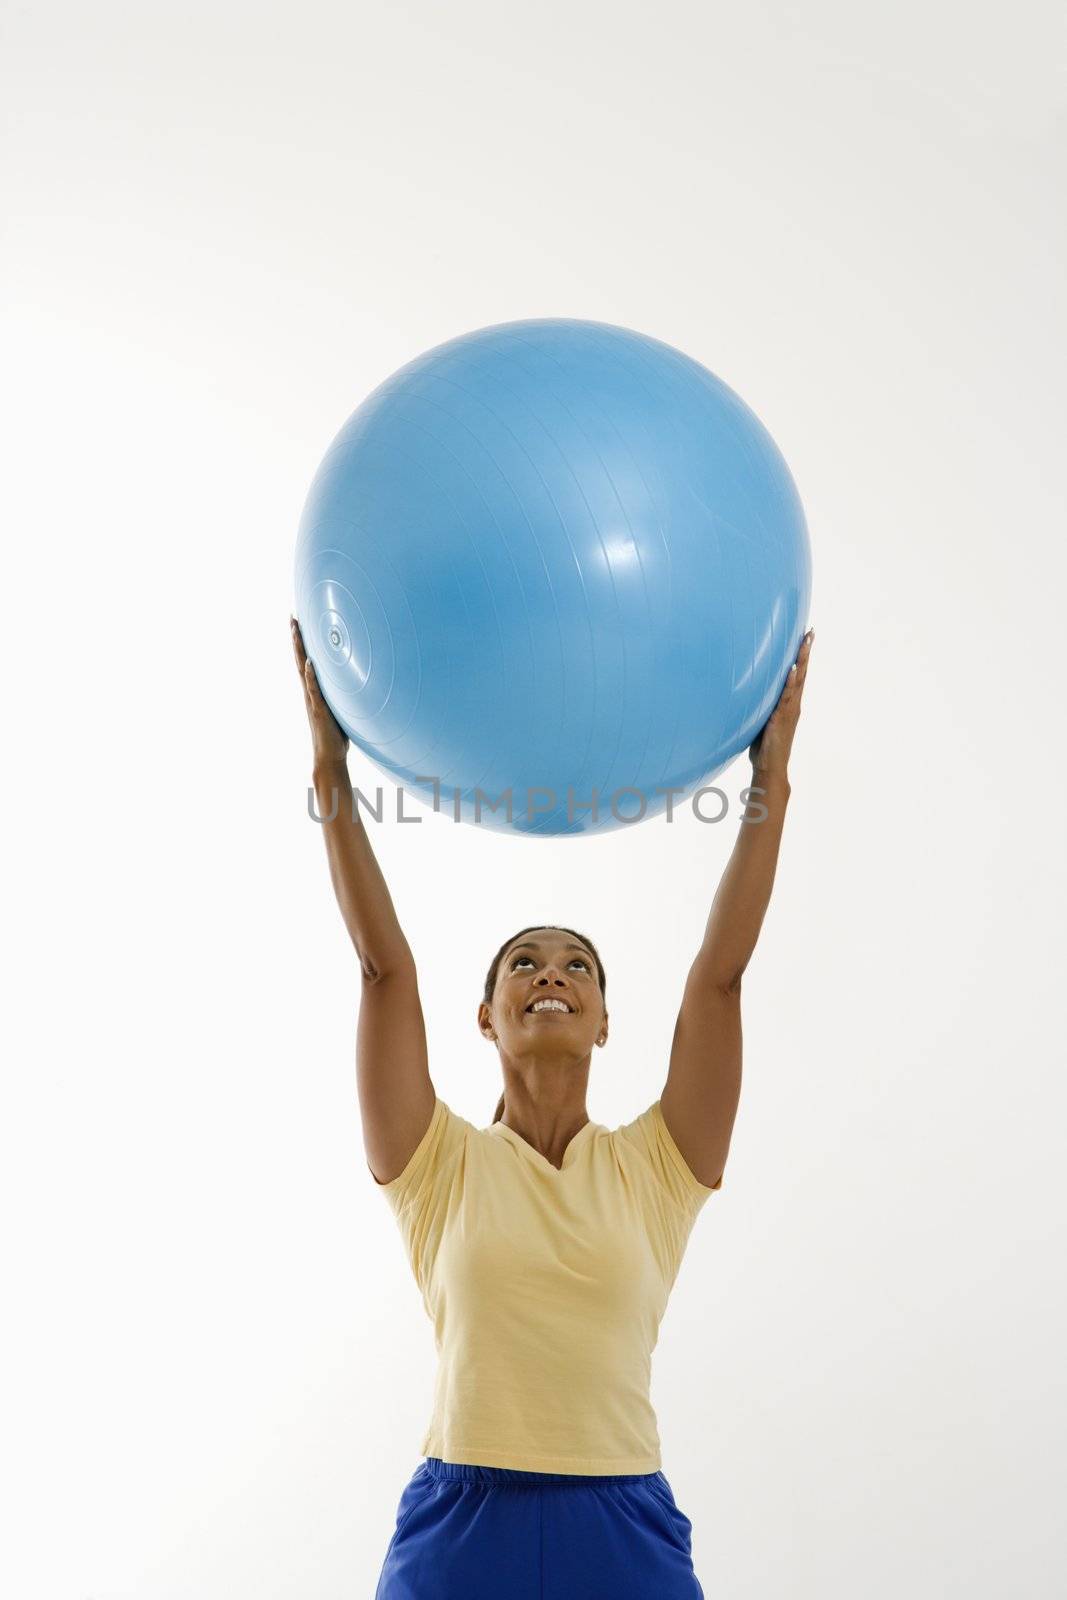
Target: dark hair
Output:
{"points": [[490, 978]]}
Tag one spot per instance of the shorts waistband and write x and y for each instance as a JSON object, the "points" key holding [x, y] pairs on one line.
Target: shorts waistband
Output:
{"points": [[468, 1473]]}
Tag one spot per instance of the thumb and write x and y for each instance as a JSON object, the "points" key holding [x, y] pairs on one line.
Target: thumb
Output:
{"points": [[311, 682]]}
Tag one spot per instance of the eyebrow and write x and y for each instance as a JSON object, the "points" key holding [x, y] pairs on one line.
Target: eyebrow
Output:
{"points": [[517, 947]]}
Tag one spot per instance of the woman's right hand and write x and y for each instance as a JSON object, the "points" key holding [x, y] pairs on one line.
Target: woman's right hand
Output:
{"points": [[329, 740]]}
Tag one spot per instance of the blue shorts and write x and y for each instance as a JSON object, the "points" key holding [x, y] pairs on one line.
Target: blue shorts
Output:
{"points": [[493, 1533]]}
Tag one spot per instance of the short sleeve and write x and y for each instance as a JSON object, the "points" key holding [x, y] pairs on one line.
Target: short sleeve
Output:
{"points": [[650, 1132], [420, 1194], [670, 1193]]}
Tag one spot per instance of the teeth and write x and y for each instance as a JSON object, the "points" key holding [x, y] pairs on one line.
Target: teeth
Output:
{"points": [[550, 1005]]}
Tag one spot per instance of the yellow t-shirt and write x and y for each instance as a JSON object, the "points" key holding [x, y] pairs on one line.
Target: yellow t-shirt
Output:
{"points": [[546, 1287]]}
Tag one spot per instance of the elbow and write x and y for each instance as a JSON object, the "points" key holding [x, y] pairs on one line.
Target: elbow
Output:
{"points": [[374, 968], [723, 983]]}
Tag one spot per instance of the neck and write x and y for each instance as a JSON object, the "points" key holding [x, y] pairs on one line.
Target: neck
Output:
{"points": [[545, 1104]]}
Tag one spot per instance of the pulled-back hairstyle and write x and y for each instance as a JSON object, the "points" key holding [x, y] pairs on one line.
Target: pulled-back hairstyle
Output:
{"points": [[536, 927]]}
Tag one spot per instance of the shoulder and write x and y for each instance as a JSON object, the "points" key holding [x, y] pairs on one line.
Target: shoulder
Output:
{"points": [[647, 1145], [434, 1157]]}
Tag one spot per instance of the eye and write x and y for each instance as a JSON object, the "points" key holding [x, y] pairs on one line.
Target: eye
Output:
{"points": [[574, 961]]}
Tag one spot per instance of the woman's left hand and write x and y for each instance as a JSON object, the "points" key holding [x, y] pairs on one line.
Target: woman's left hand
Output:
{"points": [[769, 752]]}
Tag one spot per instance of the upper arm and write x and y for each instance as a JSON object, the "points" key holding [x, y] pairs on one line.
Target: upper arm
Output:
{"points": [[700, 1098], [396, 1093]]}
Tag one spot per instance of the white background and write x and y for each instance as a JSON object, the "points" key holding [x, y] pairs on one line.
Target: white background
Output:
{"points": [[226, 223]]}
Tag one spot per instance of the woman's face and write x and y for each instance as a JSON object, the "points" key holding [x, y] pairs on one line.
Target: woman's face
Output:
{"points": [[547, 965]]}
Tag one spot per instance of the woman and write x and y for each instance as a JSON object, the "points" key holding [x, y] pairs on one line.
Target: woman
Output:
{"points": [[545, 1245]]}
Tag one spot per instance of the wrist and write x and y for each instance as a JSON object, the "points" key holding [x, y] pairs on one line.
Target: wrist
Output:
{"points": [[773, 780], [329, 767]]}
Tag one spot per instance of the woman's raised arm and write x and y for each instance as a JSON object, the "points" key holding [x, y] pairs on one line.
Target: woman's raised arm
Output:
{"points": [[396, 1094], [700, 1098]]}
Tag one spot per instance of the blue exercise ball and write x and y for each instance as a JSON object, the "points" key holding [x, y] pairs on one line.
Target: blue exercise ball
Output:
{"points": [[550, 570]]}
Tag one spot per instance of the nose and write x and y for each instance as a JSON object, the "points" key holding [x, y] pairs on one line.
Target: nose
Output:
{"points": [[543, 978]]}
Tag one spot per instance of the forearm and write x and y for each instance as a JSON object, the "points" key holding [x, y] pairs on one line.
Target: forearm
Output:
{"points": [[744, 892], [361, 890]]}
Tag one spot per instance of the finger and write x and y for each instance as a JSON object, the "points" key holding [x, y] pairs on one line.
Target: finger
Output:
{"points": [[803, 655], [312, 682], [298, 642], [795, 677]]}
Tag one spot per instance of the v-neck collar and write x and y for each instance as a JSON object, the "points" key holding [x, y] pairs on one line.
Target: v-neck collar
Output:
{"points": [[501, 1130]]}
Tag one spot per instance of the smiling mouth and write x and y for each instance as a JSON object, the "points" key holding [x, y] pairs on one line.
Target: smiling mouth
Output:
{"points": [[549, 1011]]}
